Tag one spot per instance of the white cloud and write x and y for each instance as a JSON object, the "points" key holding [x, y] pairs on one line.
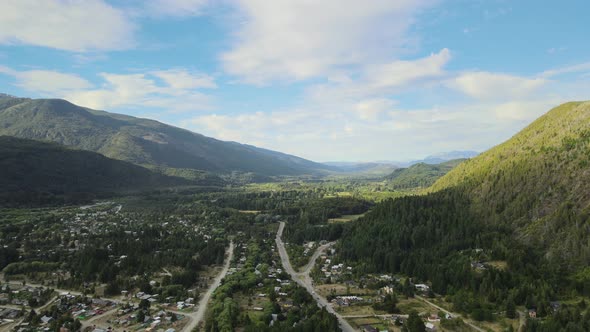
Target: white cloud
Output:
{"points": [[175, 90], [292, 39], [65, 24], [399, 73], [486, 85], [178, 8], [371, 109], [324, 134], [182, 79], [577, 68], [144, 90], [46, 81], [382, 80]]}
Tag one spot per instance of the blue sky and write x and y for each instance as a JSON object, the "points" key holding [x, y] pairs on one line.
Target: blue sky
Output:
{"points": [[326, 80]]}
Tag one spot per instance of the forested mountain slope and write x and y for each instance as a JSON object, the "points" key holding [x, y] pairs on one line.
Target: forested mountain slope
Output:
{"points": [[537, 182], [36, 172], [420, 175], [140, 141], [523, 205]]}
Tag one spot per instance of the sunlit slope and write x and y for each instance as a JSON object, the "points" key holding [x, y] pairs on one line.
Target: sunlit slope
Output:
{"points": [[538, 181]]}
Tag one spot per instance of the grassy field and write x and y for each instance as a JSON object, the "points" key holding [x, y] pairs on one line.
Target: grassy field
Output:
{"points": [[345, 218], [378, 323], [411, 304], [249, 211], [340, 289], [355, 310]]}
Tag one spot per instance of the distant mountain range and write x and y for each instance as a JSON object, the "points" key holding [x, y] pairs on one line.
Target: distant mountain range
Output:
{"points": [[392, 164], [445, 156], [140, 141], [362, 167]]}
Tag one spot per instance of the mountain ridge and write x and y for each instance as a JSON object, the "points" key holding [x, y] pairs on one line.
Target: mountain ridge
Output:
{"points": [[141, 141]]}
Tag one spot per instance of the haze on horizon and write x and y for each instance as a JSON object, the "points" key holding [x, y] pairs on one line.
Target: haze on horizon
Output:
{"points": [[336, 80]]}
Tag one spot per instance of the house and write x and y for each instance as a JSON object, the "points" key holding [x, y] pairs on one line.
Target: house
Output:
{"points": [[533, 313], [387, 290], [478, 265], [430, 327], [46, 320], [555, 305], [422, 287]]}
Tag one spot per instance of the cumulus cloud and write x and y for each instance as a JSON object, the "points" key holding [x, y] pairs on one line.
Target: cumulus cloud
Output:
{"points": [[293, 40], [486, 85], [65, 24], [324, 134], [175, 90], [381, 80], [182, 79], [399, 73], [46, 81]]}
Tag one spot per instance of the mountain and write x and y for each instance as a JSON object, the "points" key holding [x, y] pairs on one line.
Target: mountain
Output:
{"points": [[445, 156], [361, 167], [536, 181], [34, 171], [508, 227], [534, 186], [140, 141], [420, 175]]}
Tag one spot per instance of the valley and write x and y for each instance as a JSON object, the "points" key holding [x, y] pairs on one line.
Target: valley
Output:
{"points": [[446, 247], [294, 166]]}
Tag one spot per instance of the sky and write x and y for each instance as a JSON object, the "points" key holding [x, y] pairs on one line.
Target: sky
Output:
{"points": [[329, 80]]}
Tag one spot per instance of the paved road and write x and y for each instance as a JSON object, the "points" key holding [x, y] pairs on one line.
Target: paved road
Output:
{"points": [[320, 250], [305, 281]]}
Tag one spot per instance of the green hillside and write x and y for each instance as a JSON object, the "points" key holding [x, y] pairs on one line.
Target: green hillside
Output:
{"points": [[522, 206], [537, 182], [37, 172], [140, 141], [420, 175]]}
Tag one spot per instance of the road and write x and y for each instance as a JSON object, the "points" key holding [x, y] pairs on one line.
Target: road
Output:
{"points": [[197, 316], [194, 317], [475, 327], [307, 268], [90, 322], [304, 280]]}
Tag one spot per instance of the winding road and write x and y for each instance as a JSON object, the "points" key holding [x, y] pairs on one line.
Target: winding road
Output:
{"points": [[304, 280]]}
